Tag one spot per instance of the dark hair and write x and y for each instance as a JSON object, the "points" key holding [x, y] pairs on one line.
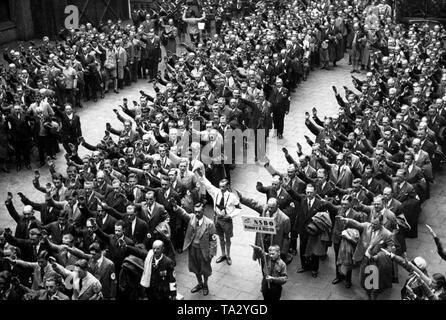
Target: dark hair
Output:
{"points": [[119, 223]]}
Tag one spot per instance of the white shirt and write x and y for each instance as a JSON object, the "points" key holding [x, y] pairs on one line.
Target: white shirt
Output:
{"points": [[158, 260], [410, 168], [417, 155], [99, 262], [104, 219], [200, 222]]}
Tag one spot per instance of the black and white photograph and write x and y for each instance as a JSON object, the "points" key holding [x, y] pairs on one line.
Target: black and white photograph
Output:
{"points": [[222, 150]]}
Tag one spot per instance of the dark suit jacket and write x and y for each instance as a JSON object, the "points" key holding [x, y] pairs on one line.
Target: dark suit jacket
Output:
{"points": [[55, 233], [71, 129], [23, 226], [153, 218], [283, 198], [141, 227], [304, 213], [106, 275], [280, 101], [109, 225]]}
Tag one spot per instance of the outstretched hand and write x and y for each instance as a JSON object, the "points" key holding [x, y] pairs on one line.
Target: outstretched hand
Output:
{"points": [[431, 231]]}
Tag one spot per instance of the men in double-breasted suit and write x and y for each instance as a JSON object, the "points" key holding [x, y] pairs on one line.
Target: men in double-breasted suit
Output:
{"points": [[201, 243], [280, 106], [70, 129]]}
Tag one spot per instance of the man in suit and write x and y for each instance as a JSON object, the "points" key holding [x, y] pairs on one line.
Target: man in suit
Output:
{"points": [[226, 207], [276, 190], [150, 211], [280, 106], [85, 285], [30, 248], [105, 221], [70, 129], [116, 198], [51, 291], [163, 196], [58, 228], [101, 267], [21, 134], [135, 228], [374, 237], [153, 48], [24, 222], [346, 211], [308, 206], [340, 173], [115, 243], [158, 277], [201, 243]]}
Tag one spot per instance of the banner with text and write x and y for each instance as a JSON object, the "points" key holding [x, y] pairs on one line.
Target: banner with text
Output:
{"points": [[259, 224]]}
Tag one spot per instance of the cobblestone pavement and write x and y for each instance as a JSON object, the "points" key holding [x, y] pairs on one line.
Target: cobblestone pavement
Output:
{"points": [[242, 279]]}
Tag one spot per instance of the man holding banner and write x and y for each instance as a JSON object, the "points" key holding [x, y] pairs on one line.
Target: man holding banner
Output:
{"points": [[264, 237]]}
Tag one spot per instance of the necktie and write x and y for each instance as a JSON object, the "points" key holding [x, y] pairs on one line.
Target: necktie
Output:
{"points": [[42, 274], [198, 223], [80, 285], [222, 201], [190, 166]]}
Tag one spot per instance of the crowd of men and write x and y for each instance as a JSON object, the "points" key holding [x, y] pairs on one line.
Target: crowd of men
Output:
{"points": [[113, 223]]}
